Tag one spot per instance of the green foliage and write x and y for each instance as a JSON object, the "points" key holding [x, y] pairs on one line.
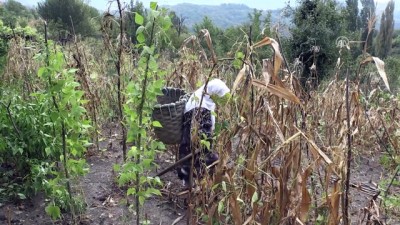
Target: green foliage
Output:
{"points": [[134, 9], [391, 199], [14, 18], [53, 211], [395, 44], [383, 44], [224, 16], [174, 38], [43, 138], [353, 20], [392, 67], [62, 13], [23, 145], [14, 14], [216, 34], [367, 14], [141, 94], [67, 114], [7, 32], [232, 39], [258, 25], [3, 49], [178, 23], [317, 25]]}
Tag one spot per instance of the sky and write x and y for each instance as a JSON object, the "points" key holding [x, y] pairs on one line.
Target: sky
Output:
{"points": [[259, 4]]}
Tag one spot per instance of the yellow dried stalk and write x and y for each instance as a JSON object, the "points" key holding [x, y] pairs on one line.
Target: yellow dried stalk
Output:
{"points": [[277, 56], [380, 66], [278, 91], [207, 36]]}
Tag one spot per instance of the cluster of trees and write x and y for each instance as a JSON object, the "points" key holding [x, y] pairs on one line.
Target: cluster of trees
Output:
{"points": [[14, 14], [63, 16], [318, 24], [315, 28], [70, 16], [384, 40]]}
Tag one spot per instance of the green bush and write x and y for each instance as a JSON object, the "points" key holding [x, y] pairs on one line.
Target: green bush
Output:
{"points": [[392, 67], [43, 137], [24, 138]]}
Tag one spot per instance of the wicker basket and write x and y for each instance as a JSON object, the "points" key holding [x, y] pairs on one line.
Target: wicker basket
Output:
{"points": [[169, 112]]}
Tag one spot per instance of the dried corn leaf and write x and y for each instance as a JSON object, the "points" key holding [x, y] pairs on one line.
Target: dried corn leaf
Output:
{"points": [[299, 221], [263, 42], [278, 91], [285, 143], [305, 195], [211, 213], [380, 66], [266, 214], [267, 70], [207, 35], [334, 200], [316, 150], [248, 220], [277, 56], [233, 202], [249, 173], [282, 197], [278, 129], [191, 38], [240, 77]]}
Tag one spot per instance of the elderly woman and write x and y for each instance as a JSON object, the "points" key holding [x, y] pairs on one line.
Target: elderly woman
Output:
{"points": [[202, 115]]}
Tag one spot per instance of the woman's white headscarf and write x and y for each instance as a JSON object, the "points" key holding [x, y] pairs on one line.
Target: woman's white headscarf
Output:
{"points": [[214, 87]]}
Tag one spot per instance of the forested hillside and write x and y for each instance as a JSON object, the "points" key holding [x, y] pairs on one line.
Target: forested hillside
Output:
{"points": [[224, 16]]}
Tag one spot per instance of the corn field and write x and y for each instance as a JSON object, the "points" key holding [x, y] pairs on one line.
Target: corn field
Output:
{"points": [[288, 153]]}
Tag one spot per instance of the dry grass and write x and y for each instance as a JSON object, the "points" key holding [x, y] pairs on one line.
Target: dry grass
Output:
{"points": [[283, 154]]}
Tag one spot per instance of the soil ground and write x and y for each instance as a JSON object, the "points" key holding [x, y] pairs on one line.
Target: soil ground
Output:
{"points": [[105, 200]]}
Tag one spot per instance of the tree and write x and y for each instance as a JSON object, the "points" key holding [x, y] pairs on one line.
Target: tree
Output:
{"points": [[178, 22], [383, 44], [260, 27], [353, 19], [368, 20], [217, 34], [317, 25], [60, 13], [14, 13], [131, 26], [255, 20], [396, 44]]}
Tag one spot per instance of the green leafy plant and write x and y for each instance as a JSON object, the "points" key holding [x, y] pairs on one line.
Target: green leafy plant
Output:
{"points": [[69, 130], [43, 137], [141, 94]]}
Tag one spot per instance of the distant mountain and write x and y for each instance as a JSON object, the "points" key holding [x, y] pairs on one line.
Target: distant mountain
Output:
{"points": [[227, 15], [223, 16]]}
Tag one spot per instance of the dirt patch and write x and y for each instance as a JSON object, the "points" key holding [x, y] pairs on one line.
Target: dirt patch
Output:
{"points": [[367, 172], [105, 201]]}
